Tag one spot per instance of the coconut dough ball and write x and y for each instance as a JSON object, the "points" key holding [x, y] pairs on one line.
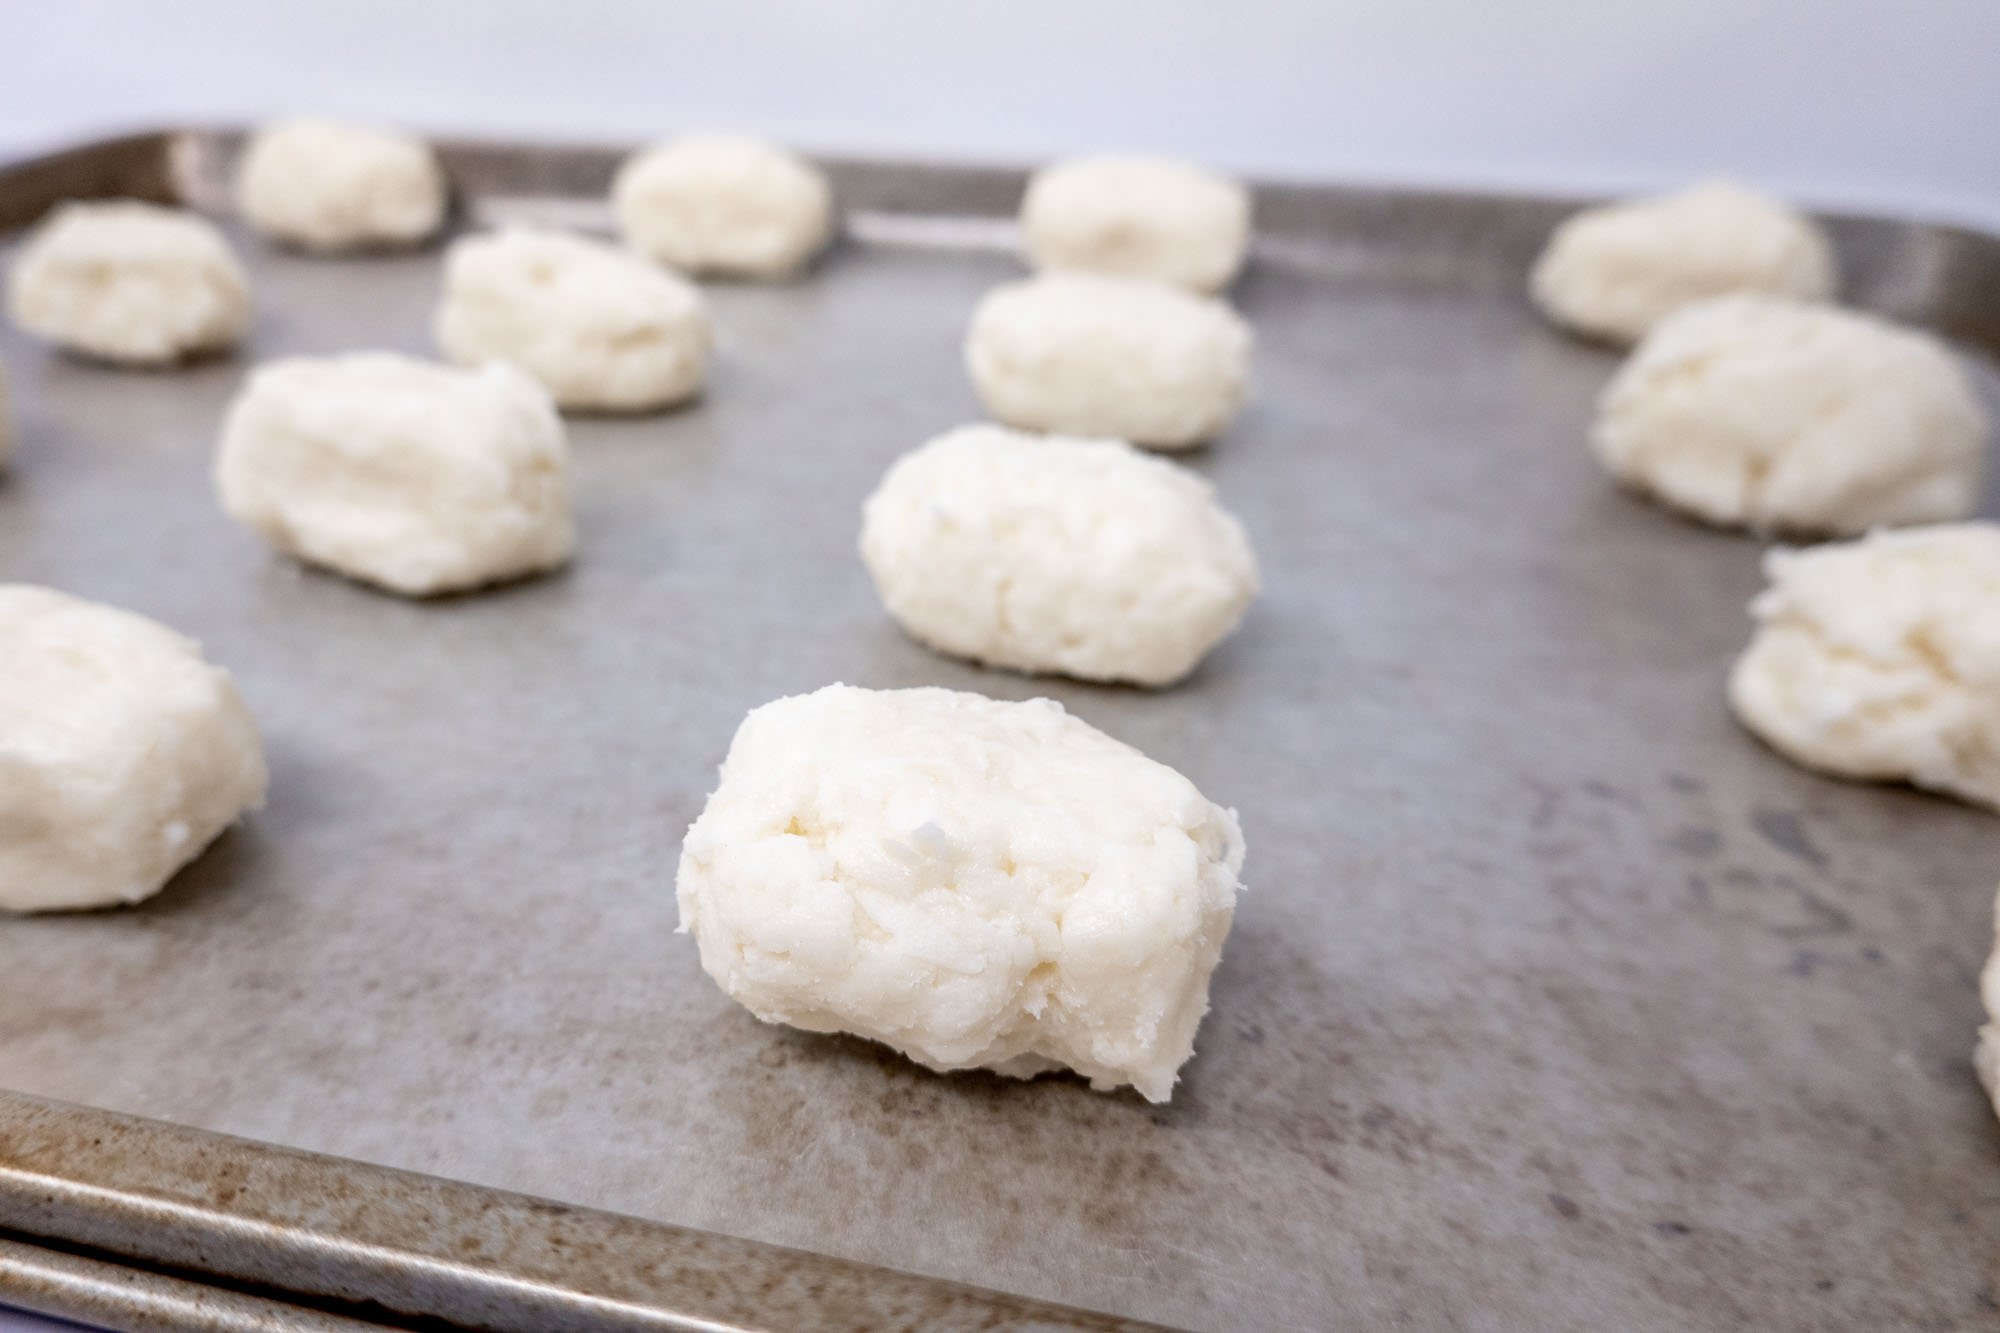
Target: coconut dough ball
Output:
{"points": [[418, 478], [1088, 355], [1137, 217], [981, 885], [122, 753], [1616, 271], [1043, 553], [323, 185], [602, 329], [724, 204], [1986, 1059], [1759, 412], [130, 282], [1879, 659]]}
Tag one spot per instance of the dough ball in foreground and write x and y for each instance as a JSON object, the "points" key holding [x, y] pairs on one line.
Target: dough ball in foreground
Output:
{"points": [[724, 204], [1137, 217], [1082, 354], [602, 329], [1615, 271], [324, 185], [981, 885], [1043, 553], [1986, 1057], [130, 282], [418, 478], [1770, 414], [1879, 659], [122, 753]]}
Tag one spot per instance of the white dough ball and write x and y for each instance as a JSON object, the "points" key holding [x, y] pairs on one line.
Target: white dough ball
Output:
{"points": [[1043, 553], [1082, 354], [122, 753], [981, 885], [1137, 217], [328, 186], [602, 329], [1879, 659], [724, 204], [130, 282], [1986, 1057], [1615, 271], [1772, 414], [418, 478]]}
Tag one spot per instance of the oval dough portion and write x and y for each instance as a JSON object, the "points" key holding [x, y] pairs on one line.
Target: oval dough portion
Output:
{"points": [[978, 884], [130, 283], [1050, 554], [329, 186], [122, 753], [1118, 358], [1776, 415], [1879, 659], [599, 327], [1137, 217], [418, 478], [724, 204], [1615, 271]]}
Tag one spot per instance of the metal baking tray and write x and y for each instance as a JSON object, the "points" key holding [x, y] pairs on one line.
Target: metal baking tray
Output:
{"points": [[1555, 1000]]}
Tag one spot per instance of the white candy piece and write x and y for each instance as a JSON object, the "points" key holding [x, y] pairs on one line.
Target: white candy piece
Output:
{"points": [[724, 204], [1117, 358], [1879, 659], [599, 327], [1615, 271], [1770, 414], [1051, 554], [981, 885], [419, 478], [327, 186], [1137, 217], [130, 282], [122, 753], [1986, 1057]]}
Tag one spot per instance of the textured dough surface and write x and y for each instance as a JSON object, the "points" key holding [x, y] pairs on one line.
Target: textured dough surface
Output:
{"points": [[978, 884], [122, 753], [1137, 217], [419, 478], [1118, 358], [724, 204], [1986, 1056], [1880, 659], [130, 282], [1777, 415], [1615, 271], [325, 185], [1045, 553], [599, 327]]}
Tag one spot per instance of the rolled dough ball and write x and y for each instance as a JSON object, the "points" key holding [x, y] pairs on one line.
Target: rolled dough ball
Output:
{"points": [[1084, 557], [418, 478], [1879, 659], [1616, 271], [981, 885], [122, 753], [130, 282], [602, 329], [1137, 217], [1084, 354], [724, 204], [1986, 1058], [324, 185], [1765, 413]]}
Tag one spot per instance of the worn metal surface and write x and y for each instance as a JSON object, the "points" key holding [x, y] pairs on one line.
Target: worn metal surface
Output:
{"points": [[1555, 1000]]}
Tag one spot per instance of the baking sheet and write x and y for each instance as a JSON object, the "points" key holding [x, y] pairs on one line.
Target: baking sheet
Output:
{"points": [[1554, 1001]]}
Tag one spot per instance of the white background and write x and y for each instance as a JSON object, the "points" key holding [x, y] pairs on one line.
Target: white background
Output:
{"points": [[1891, 104]]}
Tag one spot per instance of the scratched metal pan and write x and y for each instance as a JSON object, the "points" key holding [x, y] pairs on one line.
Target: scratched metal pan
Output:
{"points": [[1555, 1000]]}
